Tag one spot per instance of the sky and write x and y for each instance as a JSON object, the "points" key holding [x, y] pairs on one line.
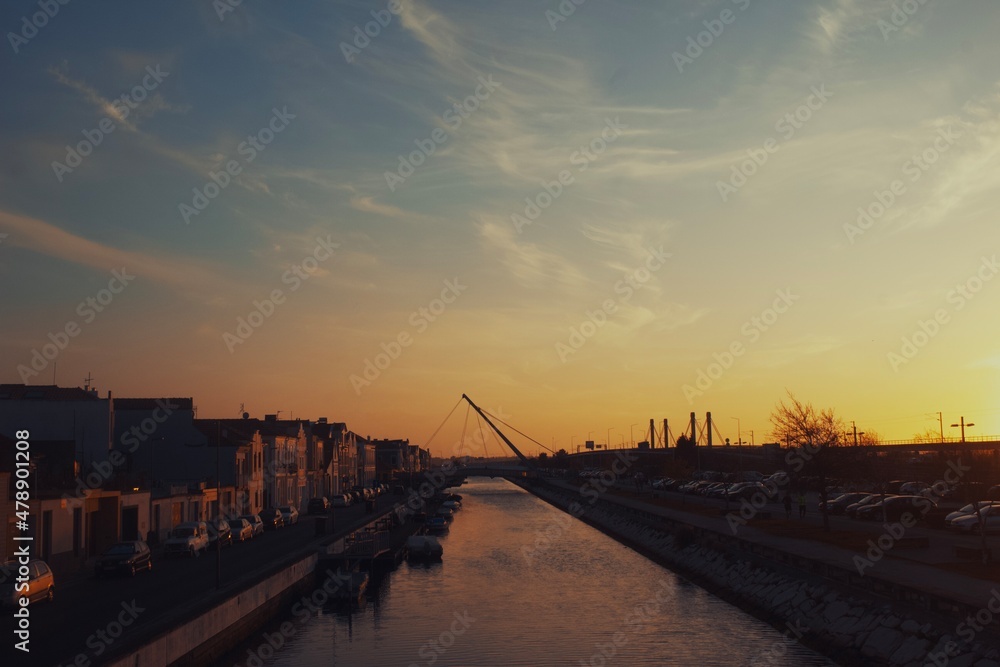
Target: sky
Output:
{"points": [[582, 216]]}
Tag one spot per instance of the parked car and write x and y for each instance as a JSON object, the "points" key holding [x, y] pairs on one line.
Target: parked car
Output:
{"points": [[187, 539], [255, 523], [969, 509], [839, 504], [318, 505], [870, 499], [341, 501], [289, 515], [242, 530], [272, 519], [220, 534], [41, 584], [893, 508], [124, 557], [971, 523]]}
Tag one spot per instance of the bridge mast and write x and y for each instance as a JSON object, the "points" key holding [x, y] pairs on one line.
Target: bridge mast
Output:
{"points": [[510, 444]]}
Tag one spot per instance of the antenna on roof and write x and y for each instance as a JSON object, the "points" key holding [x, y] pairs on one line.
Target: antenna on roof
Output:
{"points": [[87, 382], [243, 410]]}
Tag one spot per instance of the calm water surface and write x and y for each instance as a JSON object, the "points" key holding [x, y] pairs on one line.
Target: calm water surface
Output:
{"points": [[587, 600]]}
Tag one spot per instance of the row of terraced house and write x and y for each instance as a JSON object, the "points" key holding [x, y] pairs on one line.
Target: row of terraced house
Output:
{"points": [[104, 469]]}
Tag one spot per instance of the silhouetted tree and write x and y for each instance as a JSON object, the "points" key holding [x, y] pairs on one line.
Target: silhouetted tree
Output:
{"points": [[812, 432]]}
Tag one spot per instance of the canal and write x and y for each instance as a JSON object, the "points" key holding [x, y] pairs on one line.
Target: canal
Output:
{"points": [[502, 597]]}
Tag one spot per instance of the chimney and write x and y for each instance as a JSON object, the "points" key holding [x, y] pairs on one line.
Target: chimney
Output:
{"points": [[708, 427], [652, 434], [321, 420], [694, 429], [666, 435]]}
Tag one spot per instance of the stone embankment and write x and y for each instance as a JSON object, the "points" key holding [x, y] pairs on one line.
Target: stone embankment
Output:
{"points": [[850, 627]]}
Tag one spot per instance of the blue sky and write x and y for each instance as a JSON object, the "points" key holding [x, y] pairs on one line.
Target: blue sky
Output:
{"points": [[892, 84]]}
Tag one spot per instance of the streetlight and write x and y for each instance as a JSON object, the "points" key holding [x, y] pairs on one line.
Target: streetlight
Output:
{"points": [[963, 425], [631, 434], [739, 438], [751, 438], [609, 437]]}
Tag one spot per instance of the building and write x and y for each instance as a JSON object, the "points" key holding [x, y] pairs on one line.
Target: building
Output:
{"points": [[365, 461]]}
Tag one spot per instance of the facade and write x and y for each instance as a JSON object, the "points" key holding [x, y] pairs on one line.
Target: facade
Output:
{"points": [[106, 469], [365, 462]]}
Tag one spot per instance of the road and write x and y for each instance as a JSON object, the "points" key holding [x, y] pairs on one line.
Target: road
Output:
{"points": [[82, 624]]}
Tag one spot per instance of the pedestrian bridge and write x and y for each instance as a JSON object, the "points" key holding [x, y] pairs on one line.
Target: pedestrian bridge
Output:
{"points": [[503, 470]]}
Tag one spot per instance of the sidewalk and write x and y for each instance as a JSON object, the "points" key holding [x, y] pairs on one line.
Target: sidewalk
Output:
{"points": [[932, 580]]}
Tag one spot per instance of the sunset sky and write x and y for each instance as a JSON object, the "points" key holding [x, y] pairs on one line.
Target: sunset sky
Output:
{"points": [[591, 209]]}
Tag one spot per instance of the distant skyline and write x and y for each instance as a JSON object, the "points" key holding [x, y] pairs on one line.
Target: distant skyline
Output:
{"points": [[587, 218]]}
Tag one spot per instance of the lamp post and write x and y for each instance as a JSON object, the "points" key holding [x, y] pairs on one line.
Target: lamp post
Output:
{"points": [[218, 499], [962, 424], [608, 446], [150, 531], [739, 438], [631, 434]]}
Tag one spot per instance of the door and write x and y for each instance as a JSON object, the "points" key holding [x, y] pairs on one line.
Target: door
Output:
{"points": [[130, 523]]}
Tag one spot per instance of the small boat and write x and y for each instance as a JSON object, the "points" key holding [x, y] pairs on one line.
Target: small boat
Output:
{"points": [[445, 513], [453, 505], [455, 497], [436, 525], [423, 548]]}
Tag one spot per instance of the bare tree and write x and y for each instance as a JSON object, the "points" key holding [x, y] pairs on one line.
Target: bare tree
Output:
{"points": [[811, 432]]}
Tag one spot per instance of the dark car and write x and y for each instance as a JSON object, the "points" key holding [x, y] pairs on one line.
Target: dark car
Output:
{"points": [[839, 504], [895, 507], [872, 498], [272, 518], [124, 557], [220, 534], [318, 505]]}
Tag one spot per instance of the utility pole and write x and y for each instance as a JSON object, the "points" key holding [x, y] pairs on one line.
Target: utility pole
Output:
{"points": [[963, 425], [941, 425], [855, 427]]}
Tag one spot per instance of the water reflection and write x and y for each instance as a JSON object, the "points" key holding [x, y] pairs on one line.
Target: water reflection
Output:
{"points": [[496, 599]]}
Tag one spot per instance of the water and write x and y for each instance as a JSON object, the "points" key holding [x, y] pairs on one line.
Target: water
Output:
{"points": [[587, 600]]}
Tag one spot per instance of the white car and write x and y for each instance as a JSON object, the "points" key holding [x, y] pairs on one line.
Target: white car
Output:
{"points": [[970, 523], [289, 514], [969, 509], [187, 539]]}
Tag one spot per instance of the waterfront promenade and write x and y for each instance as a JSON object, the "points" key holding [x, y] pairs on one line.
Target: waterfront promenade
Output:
{"points": [[175, 590]]}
